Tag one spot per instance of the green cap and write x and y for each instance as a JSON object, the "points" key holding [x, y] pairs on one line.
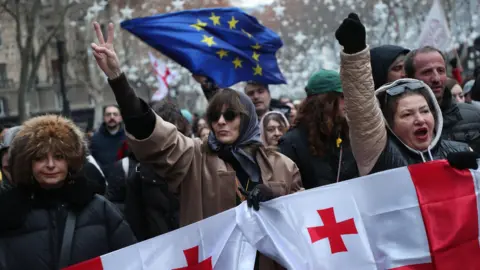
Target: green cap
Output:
{"points": [[324, 81]]}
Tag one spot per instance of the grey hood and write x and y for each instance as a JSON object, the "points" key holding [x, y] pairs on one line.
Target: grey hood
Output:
{"points": [[438, 117], [8, 137]]}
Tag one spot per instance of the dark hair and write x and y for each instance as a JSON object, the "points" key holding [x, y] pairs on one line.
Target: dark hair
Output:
{"points": [[110, 106], [322, 128], [170, 112], [475, 92], [450, 84], [389, 106], [276, 117], [259, 84], [409, 63], [228, 98]]}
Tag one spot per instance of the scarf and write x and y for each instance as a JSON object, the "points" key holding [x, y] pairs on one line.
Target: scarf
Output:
{"points": [[249, 135]]}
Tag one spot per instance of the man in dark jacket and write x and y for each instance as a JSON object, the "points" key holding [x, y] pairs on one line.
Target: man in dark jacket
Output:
{"points": [[461, 121], [387, 64], [108, 139]]}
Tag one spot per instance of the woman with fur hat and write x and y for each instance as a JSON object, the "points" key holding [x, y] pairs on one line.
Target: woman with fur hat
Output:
{"points": [[402, 125], [51, 217], [210, 177]]}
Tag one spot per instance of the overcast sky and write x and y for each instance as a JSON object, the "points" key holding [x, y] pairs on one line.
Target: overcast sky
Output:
{"points": [[251, 3]]}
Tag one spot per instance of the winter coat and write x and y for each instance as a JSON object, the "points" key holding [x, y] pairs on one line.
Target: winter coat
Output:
{"points": [[116, 190], [461, 121], [317, 171], [33, 218], [205, 183], [32, 223], [374, 145], [104, 147], [150, 208], [381, 59]]}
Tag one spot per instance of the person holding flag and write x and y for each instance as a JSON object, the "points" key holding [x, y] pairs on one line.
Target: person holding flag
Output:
{"points": [[210, 177]]}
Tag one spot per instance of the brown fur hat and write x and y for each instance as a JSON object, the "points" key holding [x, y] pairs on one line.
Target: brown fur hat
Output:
{"points": [[41, 135]]}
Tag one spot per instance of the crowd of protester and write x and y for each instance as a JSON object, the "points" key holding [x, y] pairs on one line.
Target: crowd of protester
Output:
{"points": [[152, 168]]}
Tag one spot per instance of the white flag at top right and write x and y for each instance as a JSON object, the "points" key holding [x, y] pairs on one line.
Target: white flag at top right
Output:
{"points": [[436, 32]]}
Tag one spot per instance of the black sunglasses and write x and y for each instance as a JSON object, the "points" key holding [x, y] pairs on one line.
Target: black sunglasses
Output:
{"points": [[229, 115]]}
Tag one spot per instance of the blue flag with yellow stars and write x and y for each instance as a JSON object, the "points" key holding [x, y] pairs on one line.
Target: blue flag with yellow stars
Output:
{"points": [[224, 44]]}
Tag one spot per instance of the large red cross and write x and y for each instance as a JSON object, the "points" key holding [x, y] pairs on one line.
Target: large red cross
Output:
{"points": [[332, 230], [193, 263]]}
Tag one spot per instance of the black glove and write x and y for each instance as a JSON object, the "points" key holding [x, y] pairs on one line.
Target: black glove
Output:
{"points": [[260, 193], [463, 160], [454, 62], [351, 34]]}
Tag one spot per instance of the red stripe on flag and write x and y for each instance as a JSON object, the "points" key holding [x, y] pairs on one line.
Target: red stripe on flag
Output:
{"points": [[449, 210], [93, 264]]}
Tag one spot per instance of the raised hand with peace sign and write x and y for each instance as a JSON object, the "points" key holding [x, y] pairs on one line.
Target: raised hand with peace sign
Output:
{"points": [[104, 53]]}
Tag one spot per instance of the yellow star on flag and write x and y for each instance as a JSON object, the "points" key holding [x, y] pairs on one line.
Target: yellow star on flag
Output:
{"points": [[237, 62], [199, 25], [233, 23], [222, 53], [246, 33], [255, 56], [208, 40], [257, 70], [215, 19], [256, 46]]}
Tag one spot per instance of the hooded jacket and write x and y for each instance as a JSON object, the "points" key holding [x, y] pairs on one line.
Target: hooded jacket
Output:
{"points": [[32, 219], [381, 58], [262, 130], [374, 145]]}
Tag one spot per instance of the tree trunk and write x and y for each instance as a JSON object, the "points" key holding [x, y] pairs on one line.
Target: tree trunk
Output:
{"points": [[22, 89]]}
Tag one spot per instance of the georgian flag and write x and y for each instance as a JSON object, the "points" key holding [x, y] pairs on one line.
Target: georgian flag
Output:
{"points": [[421, 217], [163, 75], [213, 243]]}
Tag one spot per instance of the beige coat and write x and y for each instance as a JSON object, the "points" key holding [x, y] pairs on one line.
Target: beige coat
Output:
{"points": [[206, 183], [368, 133]]}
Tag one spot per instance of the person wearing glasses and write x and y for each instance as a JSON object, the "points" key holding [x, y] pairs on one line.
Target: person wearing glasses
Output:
{"points": [[405, 125], [209, 177]]}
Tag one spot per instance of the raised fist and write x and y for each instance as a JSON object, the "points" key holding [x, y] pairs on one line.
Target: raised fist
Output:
{"points": [[351, 34]]}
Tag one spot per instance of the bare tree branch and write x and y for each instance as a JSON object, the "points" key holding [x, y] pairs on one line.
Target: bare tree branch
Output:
{"points": [[16, 16]]}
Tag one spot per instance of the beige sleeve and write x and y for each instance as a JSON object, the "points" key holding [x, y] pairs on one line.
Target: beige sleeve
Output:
{"points": [[368, 133], [169, 152]]}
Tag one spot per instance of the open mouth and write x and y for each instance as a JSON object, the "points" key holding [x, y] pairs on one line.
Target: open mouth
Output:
{"points": [[421, 133]]}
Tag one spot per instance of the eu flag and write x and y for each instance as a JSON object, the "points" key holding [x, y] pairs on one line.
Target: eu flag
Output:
{"points": [[225, 44]]}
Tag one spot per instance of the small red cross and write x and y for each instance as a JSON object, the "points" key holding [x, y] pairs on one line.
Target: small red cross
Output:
{"points": [[191, 255], [332, 230]]}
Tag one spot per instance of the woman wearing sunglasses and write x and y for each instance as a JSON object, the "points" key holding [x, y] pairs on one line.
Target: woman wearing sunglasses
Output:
{"points": [[209, 177], [402, 126]]}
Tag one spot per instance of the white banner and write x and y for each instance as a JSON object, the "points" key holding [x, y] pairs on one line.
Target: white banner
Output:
{"points": [[421, 217], [435, 31]]}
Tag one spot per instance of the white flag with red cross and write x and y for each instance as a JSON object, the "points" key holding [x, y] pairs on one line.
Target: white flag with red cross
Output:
{"points": [[213, 243], [423, 217], [163, 75]]}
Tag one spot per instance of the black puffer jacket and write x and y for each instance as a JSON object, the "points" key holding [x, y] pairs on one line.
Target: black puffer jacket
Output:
{"points": [[396, 155], [32, 222], [117, 187], [461, 122], [317, 171], [150, 208]]}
